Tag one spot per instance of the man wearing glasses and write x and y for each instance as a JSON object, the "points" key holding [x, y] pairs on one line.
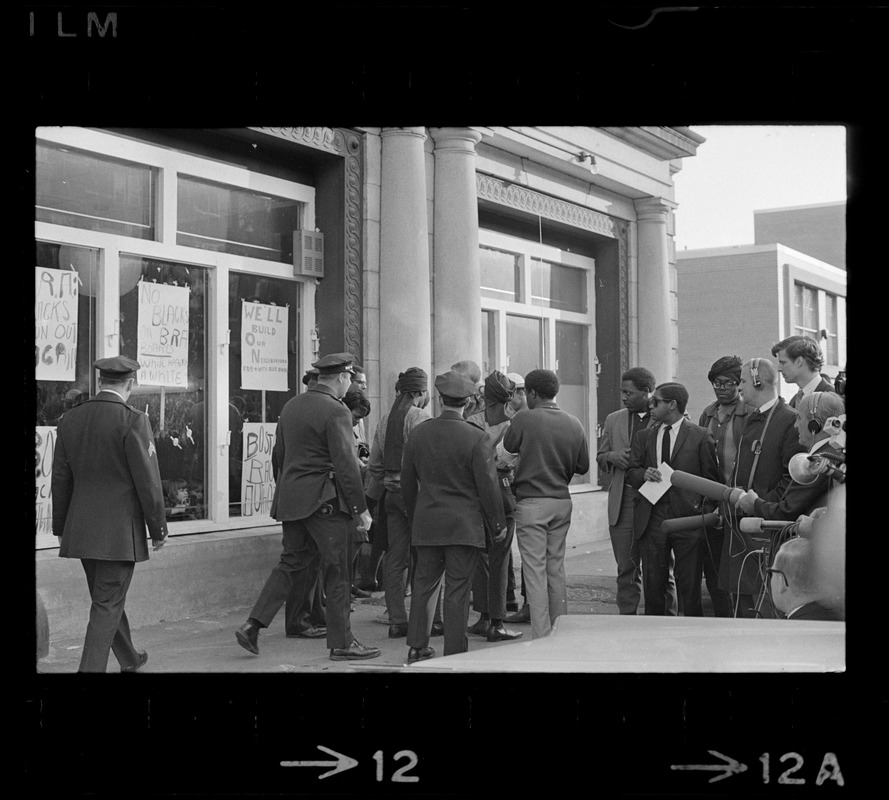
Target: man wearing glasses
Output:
{"points": [[724, 419], [683, 446], [795, 586]]}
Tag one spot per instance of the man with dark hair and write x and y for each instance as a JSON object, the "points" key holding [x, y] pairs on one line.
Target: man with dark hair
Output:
{"points": [[449, 486], [768, 441], [319, 497], [800, 362], [795, 587], [551, 446], [106, 489], [636, 385], [489, 584], [724, 419], [686, 447]]}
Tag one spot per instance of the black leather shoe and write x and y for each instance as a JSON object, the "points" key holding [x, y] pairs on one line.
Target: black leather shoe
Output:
{"points": [[437, 629], [420, 654], [353, 652], [314, 632], [501, 634], [524, 615], [356, 592], [247, 636], [397, 631], [143, 657], [480, 628]]}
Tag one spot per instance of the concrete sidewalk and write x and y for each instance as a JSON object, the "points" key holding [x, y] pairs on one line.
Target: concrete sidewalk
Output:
{"points": [[207, 643]]}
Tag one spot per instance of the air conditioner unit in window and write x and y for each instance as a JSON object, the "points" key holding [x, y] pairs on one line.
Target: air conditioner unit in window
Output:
{"points": [[308, 253]]}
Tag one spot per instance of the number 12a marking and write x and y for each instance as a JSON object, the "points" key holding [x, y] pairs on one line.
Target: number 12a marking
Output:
{"points": [[400, 775], [830, 769]]}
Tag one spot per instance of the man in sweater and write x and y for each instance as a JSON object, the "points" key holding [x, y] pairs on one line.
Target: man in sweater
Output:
{"points": [[551, 446]]}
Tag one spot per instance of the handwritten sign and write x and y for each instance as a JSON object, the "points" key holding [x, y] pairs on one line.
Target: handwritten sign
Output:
{"points": [[263, 347], [163, 335], [55, 322], [45, 445], [257, 478]]}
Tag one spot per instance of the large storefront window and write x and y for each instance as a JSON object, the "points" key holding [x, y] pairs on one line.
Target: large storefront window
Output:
{"points": [[537, 314]]}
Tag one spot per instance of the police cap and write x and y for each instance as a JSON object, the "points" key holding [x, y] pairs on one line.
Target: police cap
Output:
{"points": [[453, 384], [311, 374], [116, 368], [334, 363]]}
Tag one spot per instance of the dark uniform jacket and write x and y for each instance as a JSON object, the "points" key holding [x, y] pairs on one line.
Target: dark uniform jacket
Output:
{"points": [[693, 453], [106, 485], [449, 483], [314, 438]]}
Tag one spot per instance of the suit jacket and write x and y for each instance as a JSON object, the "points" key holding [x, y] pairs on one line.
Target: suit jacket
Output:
{"points": [[106, 484], [449, 483], [781, 443], [693, 453], [314, 438], [615, 437], [816, 611], [824, 386]]}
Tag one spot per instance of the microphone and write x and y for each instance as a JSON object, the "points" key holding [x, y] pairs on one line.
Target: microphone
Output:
{"points": [[805, 469], [690, 523], [708, 488], [758, 524]]}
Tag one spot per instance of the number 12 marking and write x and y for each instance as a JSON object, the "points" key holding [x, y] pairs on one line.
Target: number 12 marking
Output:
{"points": [[400, 775]]}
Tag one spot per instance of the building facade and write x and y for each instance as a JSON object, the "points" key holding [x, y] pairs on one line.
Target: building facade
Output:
{"points": [[227, 260]]}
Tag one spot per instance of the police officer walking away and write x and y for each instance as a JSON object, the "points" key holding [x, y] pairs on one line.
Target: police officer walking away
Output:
{"points": [[106, 488], [317, 494]]}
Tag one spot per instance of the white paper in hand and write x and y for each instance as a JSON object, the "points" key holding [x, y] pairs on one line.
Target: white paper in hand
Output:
{"points": [[654, 490]]}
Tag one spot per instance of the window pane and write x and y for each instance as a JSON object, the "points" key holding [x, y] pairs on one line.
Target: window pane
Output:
{"points": [[573, 371], [246, 405], [833, 356], [555, 286], [176, 412], [230, 220], [83, 190], [524, 344], [806, 307], [499, 274], [488, 342]]}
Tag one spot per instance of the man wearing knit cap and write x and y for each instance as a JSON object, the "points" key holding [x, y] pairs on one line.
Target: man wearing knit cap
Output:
{"points": [[489, 584], [319, 497], [384, 467], [724, 419], [106, 489], [449, 487]]}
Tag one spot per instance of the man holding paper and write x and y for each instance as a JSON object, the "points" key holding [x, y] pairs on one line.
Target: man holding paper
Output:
{"points": [[674, 444]]}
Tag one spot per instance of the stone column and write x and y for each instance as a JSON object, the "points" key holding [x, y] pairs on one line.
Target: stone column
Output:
{"points": [[655, 324], [405, 307], [455, 263]]}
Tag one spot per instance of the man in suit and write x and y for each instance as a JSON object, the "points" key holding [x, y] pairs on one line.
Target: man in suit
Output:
{"points": [[319, 497], [613, 456], [450, 493], [551, 448], [106, 489], [800, 361], [795, 586], [686, 447], [768, 441]]}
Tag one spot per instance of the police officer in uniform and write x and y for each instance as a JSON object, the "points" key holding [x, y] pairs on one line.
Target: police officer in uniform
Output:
{"points": [[317, 494], [106, 488]]}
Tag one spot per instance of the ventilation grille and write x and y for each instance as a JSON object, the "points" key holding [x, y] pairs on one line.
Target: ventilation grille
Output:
{"points": [[308, 253]]}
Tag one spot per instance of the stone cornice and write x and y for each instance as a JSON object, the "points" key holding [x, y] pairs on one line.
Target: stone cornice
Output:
{"points": [[521, 198], [661, 142]]}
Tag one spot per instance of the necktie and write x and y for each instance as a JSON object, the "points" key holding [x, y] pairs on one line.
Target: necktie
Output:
{"points": [[796, 398], [665, 446]]}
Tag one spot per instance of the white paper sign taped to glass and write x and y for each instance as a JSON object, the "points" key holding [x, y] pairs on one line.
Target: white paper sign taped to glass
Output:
{"points": [[257, 478], [163, 335], [44, 445], [55, 324], [263, 346]]}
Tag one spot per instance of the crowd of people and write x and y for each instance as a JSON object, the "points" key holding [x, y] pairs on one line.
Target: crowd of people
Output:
{"points": [[433, 505]]}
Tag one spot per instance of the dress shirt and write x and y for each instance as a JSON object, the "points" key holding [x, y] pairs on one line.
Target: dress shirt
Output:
{"points": [[674, 430]]}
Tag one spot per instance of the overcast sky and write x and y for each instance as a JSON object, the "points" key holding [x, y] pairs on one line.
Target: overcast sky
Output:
{"points": [[740, 169]]}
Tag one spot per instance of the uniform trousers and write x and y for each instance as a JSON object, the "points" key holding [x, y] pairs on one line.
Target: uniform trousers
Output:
{"points": [[658, 547], [491, 576], [108, 629], [306, 544], [304, 607], [456, 563], [541, 525]]}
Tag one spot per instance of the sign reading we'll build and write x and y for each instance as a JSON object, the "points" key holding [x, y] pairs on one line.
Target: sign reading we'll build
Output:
{"points": [[264, 346]]}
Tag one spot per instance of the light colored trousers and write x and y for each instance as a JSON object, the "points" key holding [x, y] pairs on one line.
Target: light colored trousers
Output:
{"points": [[541, 525]]}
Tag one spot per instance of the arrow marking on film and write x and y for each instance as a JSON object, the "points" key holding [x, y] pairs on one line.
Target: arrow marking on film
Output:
{"points": [[731, 767], [341, 764]]}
